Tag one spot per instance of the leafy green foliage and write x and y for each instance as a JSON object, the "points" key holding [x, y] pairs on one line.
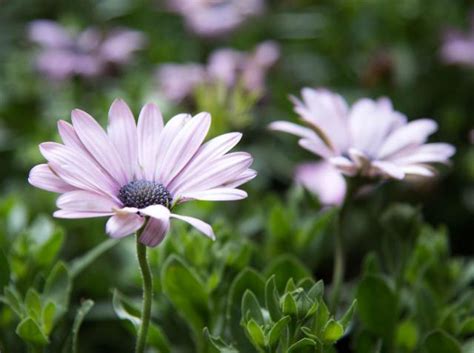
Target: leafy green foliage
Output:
{"points": [[288, 321]]}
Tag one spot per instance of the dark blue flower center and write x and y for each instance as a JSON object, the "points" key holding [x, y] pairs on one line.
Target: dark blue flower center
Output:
{"points": [[144, 193]]}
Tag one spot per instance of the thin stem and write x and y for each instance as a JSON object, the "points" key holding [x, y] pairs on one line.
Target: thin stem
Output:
{"points": [[147, 296], [339, 256], [339, 265]]}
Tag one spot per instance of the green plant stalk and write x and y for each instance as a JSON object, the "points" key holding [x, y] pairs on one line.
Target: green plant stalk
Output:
{"points": [[339, 266], [147, 296], [339, 256]]}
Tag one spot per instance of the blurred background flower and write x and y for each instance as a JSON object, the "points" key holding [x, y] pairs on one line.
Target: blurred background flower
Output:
{"points": [[458, 47], [216, 17], [369, 139], [90, 53]]}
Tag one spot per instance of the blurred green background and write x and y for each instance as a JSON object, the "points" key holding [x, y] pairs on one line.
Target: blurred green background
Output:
{"points": [[355, 47]]}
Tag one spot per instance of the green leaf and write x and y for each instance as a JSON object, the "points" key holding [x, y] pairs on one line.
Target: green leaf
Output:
{"points": [[85, 307], [288, 306], [218, 343], [33, 304], [347, 318], [31, 332], [246, 279], [251, 308], [47, 316], [407, 335], [277, 329], [81, 263], [187, 292], [321, 318], [378, 305], [317, 290], [4, 270], [255, 333], [58, 288], [48, 247], [440, 342], [305, 345], [467, 326], [333, 331], [284, 268], [272, 299], [13, 299], [125, 310]]}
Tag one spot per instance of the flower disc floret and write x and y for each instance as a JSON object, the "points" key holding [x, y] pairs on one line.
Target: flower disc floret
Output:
{"points": [[144, 193]]}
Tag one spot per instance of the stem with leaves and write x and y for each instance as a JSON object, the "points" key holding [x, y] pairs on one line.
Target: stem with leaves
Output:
{"points": [[147, 296]]}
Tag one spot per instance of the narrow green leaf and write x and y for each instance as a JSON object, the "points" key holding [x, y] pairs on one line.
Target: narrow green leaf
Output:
{"points": [[289, 305], [321, 318], [31, 332], [33, 304], [305, 345], [79, 264], [58, 288], [277, 329], [218, 343], [317, 290], [272, 299], [47, 316], [251, 308], [255, 333], [126, 310], [347, 317], [246, 279], [85, 307], [13, 299], [48, 251]]}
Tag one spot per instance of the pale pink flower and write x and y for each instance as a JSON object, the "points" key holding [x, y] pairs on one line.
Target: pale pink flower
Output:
{"points": [[225, 66], [458, 47], [136, 173], [231, 66], [216, 17], [368, 139], [323, 180], [178, 81], [87, 54]]}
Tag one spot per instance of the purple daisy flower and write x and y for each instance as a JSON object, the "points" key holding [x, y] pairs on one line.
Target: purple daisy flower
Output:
{"points": [[88, 54], [216, 17], [136, 173], [370, 138]]}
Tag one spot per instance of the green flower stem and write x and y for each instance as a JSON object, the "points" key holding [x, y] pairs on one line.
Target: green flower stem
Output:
{"points": [[339, 265], [339, 256], [147, 296]]}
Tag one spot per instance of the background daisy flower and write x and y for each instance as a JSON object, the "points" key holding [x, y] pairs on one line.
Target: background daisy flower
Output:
{"points": [[370, 138]]}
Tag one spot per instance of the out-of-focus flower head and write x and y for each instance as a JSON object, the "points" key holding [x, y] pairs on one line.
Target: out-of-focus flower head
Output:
{"points": [[178, 81], [369, 139], [249, 69], [225, 66], [323, 180], [216, 17], [458, 47], [136, 173], [88, 54]]}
